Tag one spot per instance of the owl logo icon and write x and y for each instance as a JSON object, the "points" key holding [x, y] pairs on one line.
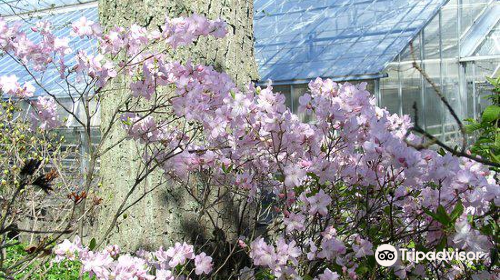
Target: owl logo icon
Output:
{"points": [[386, 255]]}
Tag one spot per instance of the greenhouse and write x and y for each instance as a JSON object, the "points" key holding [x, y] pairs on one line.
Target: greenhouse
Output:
{"points": [[455, 42], [249, 139], [60, 13]]}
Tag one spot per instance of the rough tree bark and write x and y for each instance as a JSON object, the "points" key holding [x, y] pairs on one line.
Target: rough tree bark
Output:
{"points": [[166, 214]]}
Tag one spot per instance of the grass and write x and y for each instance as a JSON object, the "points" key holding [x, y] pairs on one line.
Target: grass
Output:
{"points": [[44, 270]]}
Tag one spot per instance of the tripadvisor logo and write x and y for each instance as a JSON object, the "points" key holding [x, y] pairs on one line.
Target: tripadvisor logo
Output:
{"points": [[387, 255]]}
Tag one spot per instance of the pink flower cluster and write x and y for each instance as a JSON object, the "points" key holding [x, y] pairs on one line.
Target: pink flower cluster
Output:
{"points": [[44, 115], [340, 184], [351, 144], [183, 31], [9, 85], [281, 259], [110, 263], [51, 51]]}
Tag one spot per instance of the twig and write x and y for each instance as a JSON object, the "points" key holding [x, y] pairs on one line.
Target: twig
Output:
{"points": [[442, 97]]}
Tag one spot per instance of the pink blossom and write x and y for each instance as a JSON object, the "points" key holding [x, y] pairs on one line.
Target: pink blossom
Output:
{"points": [[113, 250], [294, 175], [262, 253], [331, 248], [294, 222], [319, 203], [468, 238], [85, 27], [98, 264], [129, 267], [179, 254], [44, 115], [68, 250], [162, 274], [362, 248], [203, 264], [9, 84], [328, 275]]}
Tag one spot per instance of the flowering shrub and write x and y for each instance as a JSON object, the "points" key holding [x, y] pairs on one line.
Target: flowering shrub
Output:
{"points": [[338, 186], [176, 262]]}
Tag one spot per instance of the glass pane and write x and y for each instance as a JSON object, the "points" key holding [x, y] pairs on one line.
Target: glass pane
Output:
{"points": [[366, 34], [298, 91], [470, 10], [411, 84], [389, 89], [451, 90], [491, 44], [431, 39], [449, 30]]}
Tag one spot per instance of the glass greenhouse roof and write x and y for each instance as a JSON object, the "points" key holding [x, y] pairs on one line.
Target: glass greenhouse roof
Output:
{"points": [[296, 40], [61, 25], [483, 37], [15, 7]]}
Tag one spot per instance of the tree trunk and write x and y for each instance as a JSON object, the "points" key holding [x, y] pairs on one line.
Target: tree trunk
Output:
{"points": [[166, 214]]}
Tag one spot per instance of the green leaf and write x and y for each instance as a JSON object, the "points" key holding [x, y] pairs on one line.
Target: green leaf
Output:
{"points": [[440, 215], [457, 211], [494, 256], [127, 122], [473, 127], [227, 169], [92, 244], [470, 218], [313, 175], [493, 81], [442, 244], [362, 270], [443, 216], [279, 177], [491, 113]]}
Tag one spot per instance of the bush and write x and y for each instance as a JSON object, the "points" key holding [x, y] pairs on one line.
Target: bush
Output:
{"points": [[316, 198]]}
